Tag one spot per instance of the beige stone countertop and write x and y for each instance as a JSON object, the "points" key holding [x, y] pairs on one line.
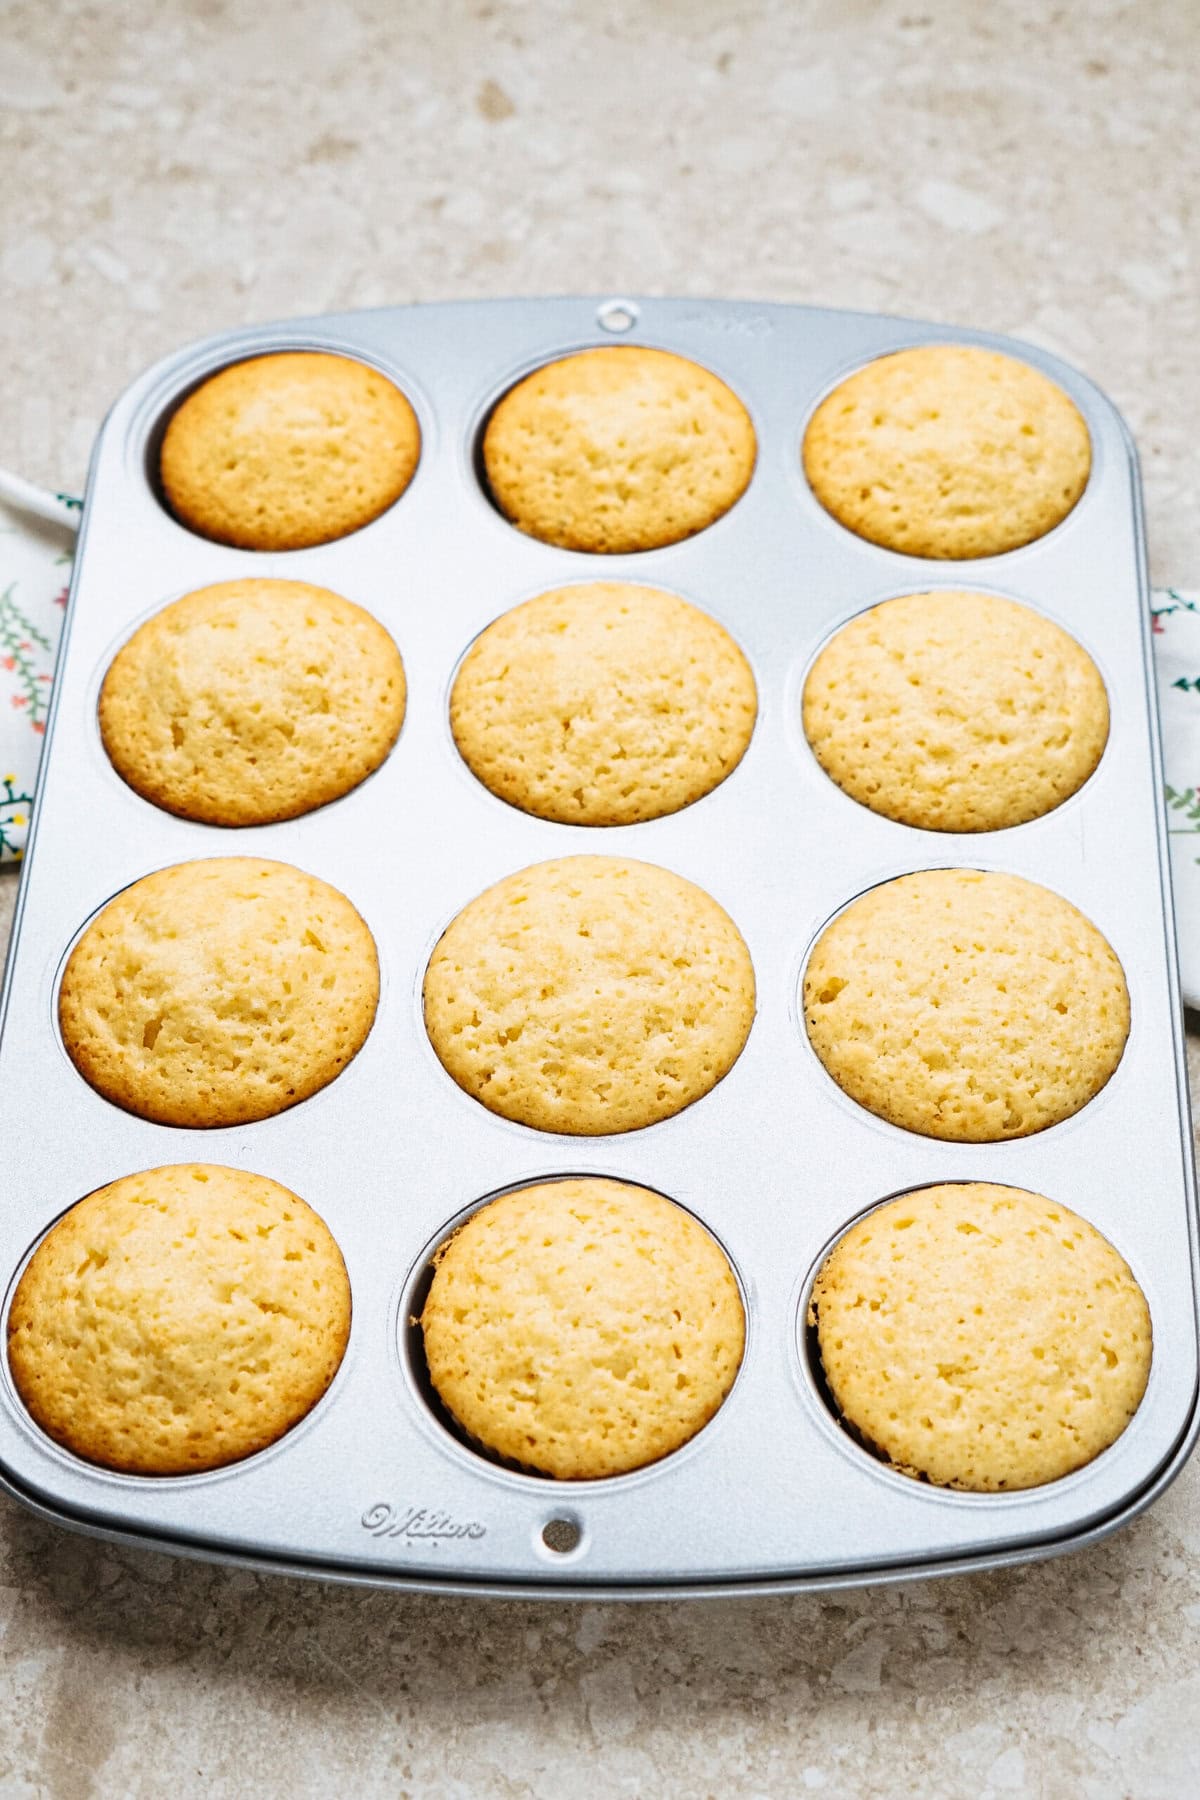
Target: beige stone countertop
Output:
{"points": [[169, 170]]}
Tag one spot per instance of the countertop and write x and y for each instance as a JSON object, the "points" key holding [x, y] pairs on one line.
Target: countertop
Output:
{"points": [[174, 169]]}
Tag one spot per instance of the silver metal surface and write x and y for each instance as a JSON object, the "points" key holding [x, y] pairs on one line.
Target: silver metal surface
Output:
{"points": [[776, 1160]]}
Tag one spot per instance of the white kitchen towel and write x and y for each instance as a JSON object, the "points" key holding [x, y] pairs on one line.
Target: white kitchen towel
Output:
{"points": [[35, 568], [1176, 620], [36, 545]]}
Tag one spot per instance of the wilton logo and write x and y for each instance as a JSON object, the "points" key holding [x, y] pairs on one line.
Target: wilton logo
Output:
{"points": [[752, 325], [415, 1524]]}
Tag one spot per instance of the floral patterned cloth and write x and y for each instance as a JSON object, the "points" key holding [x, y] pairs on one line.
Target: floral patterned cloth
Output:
{"points": [[35, 567], [1176, 621]]}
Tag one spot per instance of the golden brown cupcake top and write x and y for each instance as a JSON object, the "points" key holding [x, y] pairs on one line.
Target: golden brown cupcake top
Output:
{"points": [[966, 1005], [582, 1327], [179, 1319], [218, 992], [603, 704], [591, 994], [618, 449], [981, 1337], [948, 450], [252, 701], [956, 711], [288, 450]]}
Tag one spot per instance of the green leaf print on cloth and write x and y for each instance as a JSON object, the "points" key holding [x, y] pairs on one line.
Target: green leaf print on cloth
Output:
{"points": [[1185, 805], [1175, 622], [35, 568], [14, 816], [20, 641]]}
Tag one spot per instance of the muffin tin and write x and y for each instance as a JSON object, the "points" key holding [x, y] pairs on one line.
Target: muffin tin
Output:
{"points": [[776, 1161]]}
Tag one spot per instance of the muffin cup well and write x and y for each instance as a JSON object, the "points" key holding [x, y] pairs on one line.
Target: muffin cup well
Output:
{"points": [[970, 1466], [590, 1188]]}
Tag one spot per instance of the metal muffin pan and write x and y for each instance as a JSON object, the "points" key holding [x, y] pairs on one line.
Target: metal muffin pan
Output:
{"points": [[773, 1494]]}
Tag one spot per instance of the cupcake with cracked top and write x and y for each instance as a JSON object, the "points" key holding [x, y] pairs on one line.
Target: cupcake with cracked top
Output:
{"points": [[589, 995], [582, 1327], [218, 992], [178, 1320], [603, 704], [252, 701]]}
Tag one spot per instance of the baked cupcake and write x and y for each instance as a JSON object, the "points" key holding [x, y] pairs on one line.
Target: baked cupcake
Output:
{"points": [[589, 995], [284, 451], [966, 1006], [948, 450], [252, 701], [956, 711], [618, 449], [981, 1337], [603, 704], [582, 1327], [179, 1320], [218, 992]]}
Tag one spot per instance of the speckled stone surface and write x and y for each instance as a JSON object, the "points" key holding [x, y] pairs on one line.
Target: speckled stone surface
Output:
{"points": [[173, 169]]}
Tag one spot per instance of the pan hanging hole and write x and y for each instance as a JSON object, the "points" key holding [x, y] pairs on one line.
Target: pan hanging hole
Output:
{"points": [[617, 316], [562, 1535]]}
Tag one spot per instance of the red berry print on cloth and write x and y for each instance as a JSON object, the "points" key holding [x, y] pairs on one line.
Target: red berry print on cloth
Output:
{"points": [[34, 561]]}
